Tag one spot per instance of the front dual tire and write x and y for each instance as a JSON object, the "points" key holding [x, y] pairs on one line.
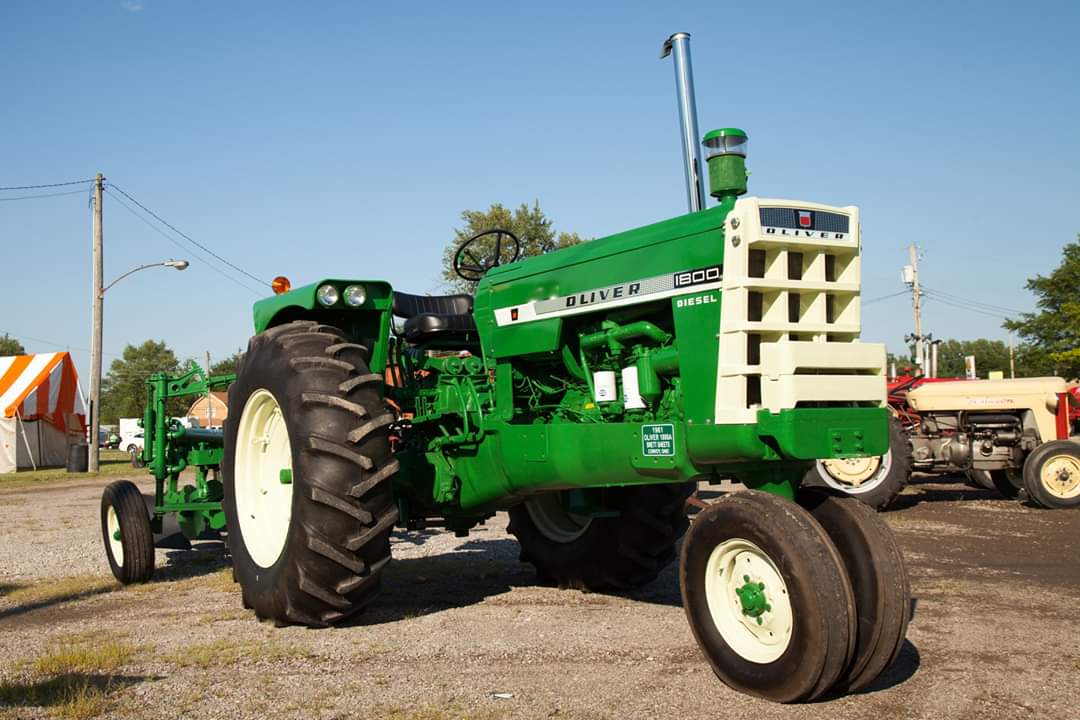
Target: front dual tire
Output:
{"points": [[791, 601]]}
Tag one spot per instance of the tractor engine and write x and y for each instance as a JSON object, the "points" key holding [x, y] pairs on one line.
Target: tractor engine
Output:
{"points": [[982, 424], [961, 440]]}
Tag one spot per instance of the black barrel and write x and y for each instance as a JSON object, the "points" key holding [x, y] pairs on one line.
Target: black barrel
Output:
{"points": [[78, 459]]}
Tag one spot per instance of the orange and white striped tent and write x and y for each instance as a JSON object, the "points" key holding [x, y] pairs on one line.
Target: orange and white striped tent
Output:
{"points": [[40, 405]]}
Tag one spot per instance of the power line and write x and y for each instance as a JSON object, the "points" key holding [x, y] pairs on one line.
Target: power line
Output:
{"points": [[50, 185], [173, 240], [960, 306], [963, 305], [186, 237], [978, 303], [44, 195], [66, 346], [885, 297]]}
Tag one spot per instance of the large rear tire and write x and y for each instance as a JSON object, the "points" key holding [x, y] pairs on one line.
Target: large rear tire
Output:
{"points": [[307, 473], [879, 581], [875, 481], [603, 553], [767, 597], [1052, 475]]}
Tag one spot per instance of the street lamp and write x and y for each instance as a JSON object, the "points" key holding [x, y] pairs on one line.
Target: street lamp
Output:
{"points": [[95, 353], [178, 264]]}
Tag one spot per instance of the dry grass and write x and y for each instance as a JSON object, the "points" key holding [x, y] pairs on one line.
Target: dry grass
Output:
{"points": [[89, 659], [73, 679], [218, 581], [58, 590], [225, 653], [448, 712], [67, 696], [223, 616]]}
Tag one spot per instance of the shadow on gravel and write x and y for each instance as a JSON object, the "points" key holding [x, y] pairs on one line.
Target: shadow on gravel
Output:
{"points": [[203, 558], [57, 594], [414, 537], [903, 669], [936, 489], [477, 570], [72, 694]]}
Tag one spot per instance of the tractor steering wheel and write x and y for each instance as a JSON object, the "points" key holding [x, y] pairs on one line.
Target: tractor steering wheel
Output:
{"points": [[480, 253]]}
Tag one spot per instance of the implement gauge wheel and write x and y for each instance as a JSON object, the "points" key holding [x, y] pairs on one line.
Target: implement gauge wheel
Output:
{"points": [[126, 531], [307, 472], [879, 581], [767, 597], [875, 481], [603, 553], [1052, 475]]}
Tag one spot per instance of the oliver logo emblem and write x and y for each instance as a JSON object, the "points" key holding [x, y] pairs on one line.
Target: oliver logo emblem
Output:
{"points": [[658, 440]]}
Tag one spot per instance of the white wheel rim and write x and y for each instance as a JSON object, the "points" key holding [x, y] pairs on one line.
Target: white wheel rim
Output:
{"points": [[263, 501], [1060, 475], [855, 476], [762, 634], [553, 521], [112, 527]]}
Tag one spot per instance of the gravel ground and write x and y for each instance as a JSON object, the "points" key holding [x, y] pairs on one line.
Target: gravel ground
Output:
{"points": [[462, 630]]}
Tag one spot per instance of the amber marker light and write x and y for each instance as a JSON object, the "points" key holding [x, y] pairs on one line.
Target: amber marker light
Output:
{"points": [[281, 285]]}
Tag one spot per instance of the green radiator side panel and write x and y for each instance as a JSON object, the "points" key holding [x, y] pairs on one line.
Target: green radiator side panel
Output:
{"points": [[517, 460], [697, 320]]}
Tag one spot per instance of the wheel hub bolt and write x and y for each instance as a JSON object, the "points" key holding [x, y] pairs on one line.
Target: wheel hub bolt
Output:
{"points": [[752, 599]]}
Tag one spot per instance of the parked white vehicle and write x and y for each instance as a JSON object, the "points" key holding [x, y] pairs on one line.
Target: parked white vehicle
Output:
{"points": [[131, 435]]}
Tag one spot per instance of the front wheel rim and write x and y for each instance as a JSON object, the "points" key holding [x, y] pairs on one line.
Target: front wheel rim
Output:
{"points": [[112, 528], [262, 478], [1060, 475], [748, 601]]}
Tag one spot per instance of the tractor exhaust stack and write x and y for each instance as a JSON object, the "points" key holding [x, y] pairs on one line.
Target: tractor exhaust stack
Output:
{"points": [[679, 45]]}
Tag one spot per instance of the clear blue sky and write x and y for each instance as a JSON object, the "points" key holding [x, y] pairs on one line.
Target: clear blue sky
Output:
{"points": [[345, 138]]}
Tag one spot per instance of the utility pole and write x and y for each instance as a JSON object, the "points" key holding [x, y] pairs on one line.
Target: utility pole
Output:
{"points": [[209, 395], [95, 337], [916, 303], [1012, 362]]}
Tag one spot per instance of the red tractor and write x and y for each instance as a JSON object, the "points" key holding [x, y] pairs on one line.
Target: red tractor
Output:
{"points": [[1006, 435]]}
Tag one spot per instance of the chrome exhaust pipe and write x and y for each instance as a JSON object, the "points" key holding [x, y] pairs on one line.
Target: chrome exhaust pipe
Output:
{"points": [[679, 45]]}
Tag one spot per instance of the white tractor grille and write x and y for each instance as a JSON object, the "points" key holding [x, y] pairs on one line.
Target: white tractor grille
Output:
{"points": [[789, 325]]}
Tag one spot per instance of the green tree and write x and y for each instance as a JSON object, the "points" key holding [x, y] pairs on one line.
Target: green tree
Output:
{"points": [[529, 224], [123, 390], [1050, 337], [225, 366], [989, 355], [10, 346]]}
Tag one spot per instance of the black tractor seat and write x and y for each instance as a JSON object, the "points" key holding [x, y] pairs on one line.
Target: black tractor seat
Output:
{"points": [[445, 319]]}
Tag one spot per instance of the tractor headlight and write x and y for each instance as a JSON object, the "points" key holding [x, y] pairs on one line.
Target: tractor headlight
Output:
{"points": [[355, 295], [328, 295]]}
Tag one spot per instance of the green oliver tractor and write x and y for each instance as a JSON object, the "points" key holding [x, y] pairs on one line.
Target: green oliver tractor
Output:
{"points": [[586, 392]]}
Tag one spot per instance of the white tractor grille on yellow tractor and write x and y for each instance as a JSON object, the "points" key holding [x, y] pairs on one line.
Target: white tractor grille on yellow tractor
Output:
{"points": [[789, 322]]}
